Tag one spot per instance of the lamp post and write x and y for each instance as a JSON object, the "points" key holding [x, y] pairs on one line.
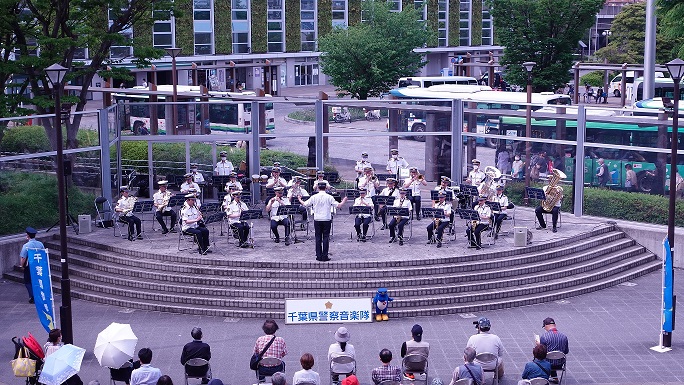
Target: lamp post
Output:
{"points": [[529, 65], [56, 74], [606, 34], [174, 52], [676, 70]]}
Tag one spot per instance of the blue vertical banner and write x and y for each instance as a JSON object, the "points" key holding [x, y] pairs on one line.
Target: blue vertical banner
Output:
{"points": [[39, 263], [668, 290]]}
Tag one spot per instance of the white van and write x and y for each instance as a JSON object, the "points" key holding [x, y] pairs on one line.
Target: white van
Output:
{"points": [[614, 87]]}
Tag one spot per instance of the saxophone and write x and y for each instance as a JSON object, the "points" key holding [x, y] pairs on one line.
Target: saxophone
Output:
{"points": [[487, 188], [401, 204], [165, 201], [554, 193]]}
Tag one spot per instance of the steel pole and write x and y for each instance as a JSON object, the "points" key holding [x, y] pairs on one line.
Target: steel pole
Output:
{"points": [[528, 134], [667, 337]]}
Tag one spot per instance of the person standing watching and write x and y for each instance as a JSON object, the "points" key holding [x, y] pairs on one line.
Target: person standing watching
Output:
{"points": [[603, 173], [554, 341], [31, 243], [631, 182], [146, 374], [196, 349], [322, 204], [223, 166], [486, 342]]}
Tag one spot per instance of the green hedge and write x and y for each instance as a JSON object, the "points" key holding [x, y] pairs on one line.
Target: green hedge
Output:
{"points": [[32, 139], [454, 24], [324, 17], [433, 21], [223, 29], [476, 23], [594, 79], [613, 204], [259, 27], [185, 35], [31, 200], [293, 18]]}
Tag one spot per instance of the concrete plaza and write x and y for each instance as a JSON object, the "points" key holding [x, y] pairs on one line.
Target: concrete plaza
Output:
{"points": [[610, 333]]}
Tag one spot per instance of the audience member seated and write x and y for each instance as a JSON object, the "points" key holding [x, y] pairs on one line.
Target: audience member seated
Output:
{"points": [[469, 369], [351, 380], [278, 378], [554, 341], [165, 380], [196, 349], [276, 350], [415, 346], [486, 342], [146, 374], [306, 375], [386, 372], [54, 342], [341, 348], [539, 367]]}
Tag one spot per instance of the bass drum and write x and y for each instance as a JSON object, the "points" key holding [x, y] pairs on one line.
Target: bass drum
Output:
{"points": [[646, 181]]}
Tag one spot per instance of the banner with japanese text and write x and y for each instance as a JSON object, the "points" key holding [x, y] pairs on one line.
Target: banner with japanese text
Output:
{"points": [[327, 310], [39, 263]]}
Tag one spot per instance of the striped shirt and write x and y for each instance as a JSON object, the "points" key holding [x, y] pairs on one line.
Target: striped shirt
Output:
{"points": [[555, 340]]}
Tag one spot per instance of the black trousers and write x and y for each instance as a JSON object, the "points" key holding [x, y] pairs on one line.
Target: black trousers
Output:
{"points": [[477, 234], [415, 199], [382, 215], [242, 229], [285, 222], [443, 224], [160, 218], [393, 225], [322, 231], [27, 280], [132, 221], [365, 221], [498, 218], [202, 236], [303, 211], [554, 215]]}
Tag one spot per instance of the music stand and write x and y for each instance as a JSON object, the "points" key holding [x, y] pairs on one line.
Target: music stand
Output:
{"points": [[535, 193], [386, 200], [352, 194], [495, 206], [355, 210], [469, 216], [433, 213], [290, 211], [213, 218], [247, 216], [398, 211], [434, 195], [469, 190], [219, 181]]}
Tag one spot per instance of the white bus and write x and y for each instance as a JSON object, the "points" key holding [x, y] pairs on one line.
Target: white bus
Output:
{"points": [[484, 97], [223, 115], [428, 81], [615, 83], [663, 87]]}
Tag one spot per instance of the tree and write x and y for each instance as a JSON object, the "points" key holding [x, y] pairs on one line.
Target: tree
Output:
{"points": [[542, 31], [626, 42], [38, 33], [369, 58], [671, 14]]}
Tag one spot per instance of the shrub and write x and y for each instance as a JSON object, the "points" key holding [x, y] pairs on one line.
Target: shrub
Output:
{"points": [[594, 79], [25, 139]]}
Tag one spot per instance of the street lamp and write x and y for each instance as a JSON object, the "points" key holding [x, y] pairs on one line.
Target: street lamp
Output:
{"points": [[174, 52], [676, 70], [606, 34], [529, 65], [56, 74]]}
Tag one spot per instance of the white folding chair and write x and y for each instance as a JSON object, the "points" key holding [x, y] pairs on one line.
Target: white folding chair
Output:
{"points": [[485, 359], [267, 362], [341, 360], [558, 355], [193, 369]]}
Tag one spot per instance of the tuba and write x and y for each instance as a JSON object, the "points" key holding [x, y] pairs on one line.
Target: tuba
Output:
{"points": [[488, 189], [553, 192]]}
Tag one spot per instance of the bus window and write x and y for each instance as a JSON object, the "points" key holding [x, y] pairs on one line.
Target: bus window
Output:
{"points": [[223, 113]]}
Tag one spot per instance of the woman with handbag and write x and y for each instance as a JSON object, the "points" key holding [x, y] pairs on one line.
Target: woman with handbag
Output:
{"points": [[269, 345]]}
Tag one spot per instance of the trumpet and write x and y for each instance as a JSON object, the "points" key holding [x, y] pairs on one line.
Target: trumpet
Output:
{"points": [[420, 177]]}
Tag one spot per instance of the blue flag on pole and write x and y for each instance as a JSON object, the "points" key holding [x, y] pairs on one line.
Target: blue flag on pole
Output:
{"points": [[668, 283], [42, 287]]}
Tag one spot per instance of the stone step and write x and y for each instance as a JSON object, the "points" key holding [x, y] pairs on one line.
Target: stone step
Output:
{"points": [[215, 296], [335, 270]]}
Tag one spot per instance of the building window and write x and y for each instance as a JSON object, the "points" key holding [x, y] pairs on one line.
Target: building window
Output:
{"points": [[240, 26], [339, 13], [464, 24], [275, 26], [421, 6], [162, 32], [442, 21], [306, 74], [394, 5], [487, 26], [121, 51], [308, 26], [203, 21]]}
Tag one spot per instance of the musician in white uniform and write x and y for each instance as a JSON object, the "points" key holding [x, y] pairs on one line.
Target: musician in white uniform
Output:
{"points": [[320, 178], [125, 206], [191, 223], [161, 203], [390, 190], [443, 223], [395, 163], [402, 202], [369, 181], [233, 212], [362, 164], [232, 181], [322, 204], [276, 180], [485, 214], [414, 183], [197, 176], [499, 216], [191, 187], [364, 219], [297, 191], [475, 176], [223, 166], [276, 220]]}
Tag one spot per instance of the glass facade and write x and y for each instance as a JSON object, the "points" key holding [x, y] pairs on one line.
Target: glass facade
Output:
{"points": [[339, 13], [162, 31], [203, 21], [464, 24], [276, 26], [308, 25], [442, 21], [240, 26], [487, 26], [121, 51]]}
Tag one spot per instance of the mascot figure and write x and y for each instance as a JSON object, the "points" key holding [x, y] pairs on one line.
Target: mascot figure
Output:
{"points": [[380, 301]]}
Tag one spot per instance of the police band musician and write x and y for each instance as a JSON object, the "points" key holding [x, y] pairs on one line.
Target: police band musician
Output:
{"points": [[279, 220], [223, 166], [392, 190], [296, 191], [499, 216], [276, 180], [361, 165], [320, 178], [400, 221], [438, 225], [192, 223], [197, 176], [124, 206], [362, 219], [552, 203], [369, 181], [475, 228], [395, 163], [475, 176], [233, 212], [233, 182], [414, 183], [161, 204], [191, 187]]}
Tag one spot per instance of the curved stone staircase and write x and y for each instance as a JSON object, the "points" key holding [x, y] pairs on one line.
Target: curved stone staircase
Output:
{"points": [[230, 287]]}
